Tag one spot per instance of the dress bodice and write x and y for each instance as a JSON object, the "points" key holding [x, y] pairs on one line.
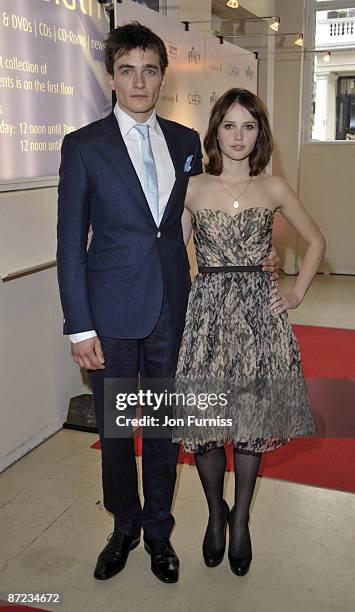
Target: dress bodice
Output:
{"points": [[241, 239]]}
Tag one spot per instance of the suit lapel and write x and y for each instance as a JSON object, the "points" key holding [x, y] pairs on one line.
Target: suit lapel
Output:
{"points": [[177, 156], [116, 151], [121, 161]]}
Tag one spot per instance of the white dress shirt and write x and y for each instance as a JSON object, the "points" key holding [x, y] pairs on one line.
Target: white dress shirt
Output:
{"points": [[164, 165]]}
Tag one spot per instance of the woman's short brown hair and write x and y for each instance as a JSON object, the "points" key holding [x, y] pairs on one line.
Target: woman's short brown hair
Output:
{"points": [[260, 155]]}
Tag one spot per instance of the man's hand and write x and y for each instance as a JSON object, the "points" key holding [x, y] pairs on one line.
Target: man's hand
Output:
{"points": [[88, 354], [271, 263], [279, 302]]}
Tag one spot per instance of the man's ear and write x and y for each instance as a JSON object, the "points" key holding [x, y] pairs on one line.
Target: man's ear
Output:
{"points": [[110, 81], [163, 81]]}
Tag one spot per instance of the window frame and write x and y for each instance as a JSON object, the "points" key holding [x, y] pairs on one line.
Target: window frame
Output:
{"points": [[308, 67]]}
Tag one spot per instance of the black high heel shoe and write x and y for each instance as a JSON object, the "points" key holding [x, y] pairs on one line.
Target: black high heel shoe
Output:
{"points": [[239, 565], [213, 557]]}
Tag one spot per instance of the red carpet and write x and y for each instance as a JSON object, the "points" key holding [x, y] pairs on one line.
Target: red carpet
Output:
{"points": [[327, 352], [328, 356], [12, 607]]}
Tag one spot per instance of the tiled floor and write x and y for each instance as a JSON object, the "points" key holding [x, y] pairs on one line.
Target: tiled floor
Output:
{"points": [[53, 526]]}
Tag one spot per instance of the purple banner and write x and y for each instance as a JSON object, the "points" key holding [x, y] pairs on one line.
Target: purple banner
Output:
{"points": [[52, 80]]}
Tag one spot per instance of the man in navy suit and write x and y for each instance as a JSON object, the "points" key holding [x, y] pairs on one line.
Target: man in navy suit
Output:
{"points": [[124, 299]]}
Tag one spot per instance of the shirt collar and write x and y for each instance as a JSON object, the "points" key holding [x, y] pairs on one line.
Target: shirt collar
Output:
{"points": [[126, 123]]}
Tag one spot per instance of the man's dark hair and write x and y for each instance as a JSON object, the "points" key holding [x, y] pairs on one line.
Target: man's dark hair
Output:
{"points": [[134, 35]]}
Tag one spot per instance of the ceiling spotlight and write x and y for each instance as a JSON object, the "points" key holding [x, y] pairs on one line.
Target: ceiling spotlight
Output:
{"points": [[232, 4], [326, 56], [275, 24], [299, 40]]}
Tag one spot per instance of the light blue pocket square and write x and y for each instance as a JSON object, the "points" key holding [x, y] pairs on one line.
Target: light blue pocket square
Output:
{"points": [[187, 166]]}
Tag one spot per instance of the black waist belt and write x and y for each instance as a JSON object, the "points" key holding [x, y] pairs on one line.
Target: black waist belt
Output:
{"points": [[214, 269]]}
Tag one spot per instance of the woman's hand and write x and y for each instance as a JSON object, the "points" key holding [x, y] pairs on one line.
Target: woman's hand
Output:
{"points": [[279, 302]]}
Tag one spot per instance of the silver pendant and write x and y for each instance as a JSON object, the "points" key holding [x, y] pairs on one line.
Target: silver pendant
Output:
{"points": [[236, 204]]}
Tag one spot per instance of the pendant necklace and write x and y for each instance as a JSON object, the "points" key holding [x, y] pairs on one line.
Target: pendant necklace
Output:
{"points": [[236, 202]]}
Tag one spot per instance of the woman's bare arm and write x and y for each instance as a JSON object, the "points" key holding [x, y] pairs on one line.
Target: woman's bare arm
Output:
{"points": [[292, 210]]}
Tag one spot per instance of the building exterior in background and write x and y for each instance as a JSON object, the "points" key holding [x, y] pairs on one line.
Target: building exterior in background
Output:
{"points": [[334, 75], [155, 5]]}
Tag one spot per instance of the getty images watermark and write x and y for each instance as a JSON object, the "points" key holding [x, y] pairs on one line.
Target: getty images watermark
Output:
{"points": [[159, 405], [148, 399], [214, 409]]}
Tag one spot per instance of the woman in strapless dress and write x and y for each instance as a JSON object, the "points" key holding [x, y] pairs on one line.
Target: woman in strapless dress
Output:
{"points": [[238, 341]]}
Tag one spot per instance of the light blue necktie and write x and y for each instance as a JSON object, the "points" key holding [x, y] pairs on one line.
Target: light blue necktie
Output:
{"points": [[151, 189]]}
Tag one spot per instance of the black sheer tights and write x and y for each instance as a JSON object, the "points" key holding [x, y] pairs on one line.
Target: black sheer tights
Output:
{"points": [[211, 467], [246, 467]]}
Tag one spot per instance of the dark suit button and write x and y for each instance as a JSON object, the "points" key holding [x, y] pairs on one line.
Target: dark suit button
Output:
{"points": [[158, 234]]}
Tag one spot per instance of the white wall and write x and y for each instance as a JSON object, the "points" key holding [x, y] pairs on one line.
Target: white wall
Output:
{"points": [[37, 376], [327, 190], [28, 220], [185, 10], [259, 7]]}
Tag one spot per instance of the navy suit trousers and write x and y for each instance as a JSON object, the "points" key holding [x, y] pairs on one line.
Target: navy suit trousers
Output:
{"points": [[156, 357]]}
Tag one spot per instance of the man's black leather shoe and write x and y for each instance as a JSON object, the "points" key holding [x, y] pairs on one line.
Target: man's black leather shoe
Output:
{"points": [[113, 557], [164, 562]]}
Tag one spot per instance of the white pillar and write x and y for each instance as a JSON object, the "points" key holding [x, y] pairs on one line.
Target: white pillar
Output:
{"points": [[332, 96], [321, 108]]}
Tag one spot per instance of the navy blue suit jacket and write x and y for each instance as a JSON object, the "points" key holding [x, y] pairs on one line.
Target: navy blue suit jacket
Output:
{"points": [[116, 286]]}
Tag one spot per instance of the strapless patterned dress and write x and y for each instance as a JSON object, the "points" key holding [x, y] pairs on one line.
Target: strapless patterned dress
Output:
{"points": [[232, 342]]}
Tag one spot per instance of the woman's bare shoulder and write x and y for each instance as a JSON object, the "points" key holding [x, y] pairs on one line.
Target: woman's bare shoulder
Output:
{"points": [[204, 176], [199, 185], [199, 180], [273, 182], [275, 186]]}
